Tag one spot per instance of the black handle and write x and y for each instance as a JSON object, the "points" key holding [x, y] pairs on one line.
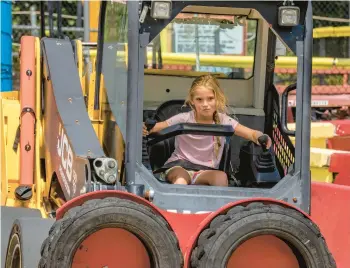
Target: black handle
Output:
{"points": [[190, 128], [263, 140], [150, 123]]}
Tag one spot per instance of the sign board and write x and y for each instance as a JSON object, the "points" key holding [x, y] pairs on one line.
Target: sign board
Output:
{"points": [[314, 103], [229, 41]]}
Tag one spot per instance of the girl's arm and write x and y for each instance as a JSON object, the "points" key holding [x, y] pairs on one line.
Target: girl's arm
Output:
{"points": [[250, 134], [176, 119], [157, 127]]}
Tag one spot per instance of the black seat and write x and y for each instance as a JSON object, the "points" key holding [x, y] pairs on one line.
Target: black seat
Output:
{"points": [[160, 152]]}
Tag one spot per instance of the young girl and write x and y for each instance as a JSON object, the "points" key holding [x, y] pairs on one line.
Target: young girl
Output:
{"points": [[208, 104]]}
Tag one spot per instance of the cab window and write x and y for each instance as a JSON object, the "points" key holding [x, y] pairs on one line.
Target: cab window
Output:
{"points": [[219, 44]]}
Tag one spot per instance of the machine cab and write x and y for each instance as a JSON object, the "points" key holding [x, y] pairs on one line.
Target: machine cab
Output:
{"points": [[148, 70]]}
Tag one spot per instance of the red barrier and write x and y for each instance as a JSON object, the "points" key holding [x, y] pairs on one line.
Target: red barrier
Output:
{"points": [[339, 163], [341, 143], [330, 209], [342, 127], [342, 139]]}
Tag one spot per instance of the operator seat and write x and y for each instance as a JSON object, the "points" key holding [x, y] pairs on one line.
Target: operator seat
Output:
{"points": [[160, 152]]}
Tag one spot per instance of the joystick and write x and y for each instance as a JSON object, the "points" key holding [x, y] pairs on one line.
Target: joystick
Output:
{"points": [[264, 167]]}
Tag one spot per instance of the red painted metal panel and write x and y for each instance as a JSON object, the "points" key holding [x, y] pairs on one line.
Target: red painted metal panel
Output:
{"points": [[79, 200], [27, 100], [186, 227], [330, 210]]}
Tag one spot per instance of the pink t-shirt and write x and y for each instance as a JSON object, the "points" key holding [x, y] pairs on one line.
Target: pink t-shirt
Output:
{"points": [[198, 149]]}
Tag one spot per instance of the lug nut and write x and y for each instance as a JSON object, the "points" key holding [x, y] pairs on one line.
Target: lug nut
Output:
{"points": [[102, 173], [111, 164]]}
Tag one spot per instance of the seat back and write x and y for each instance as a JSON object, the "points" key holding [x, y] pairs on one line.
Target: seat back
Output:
{"points": [[159, 153]]}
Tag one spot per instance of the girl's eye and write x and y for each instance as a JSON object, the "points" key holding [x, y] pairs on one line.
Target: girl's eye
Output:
{"points": [[198, 99]]}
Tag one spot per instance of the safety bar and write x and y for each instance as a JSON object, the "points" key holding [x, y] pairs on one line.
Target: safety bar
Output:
{"points": [[190, 128]]}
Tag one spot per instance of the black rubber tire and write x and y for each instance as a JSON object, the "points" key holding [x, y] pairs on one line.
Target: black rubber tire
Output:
{"points": [[7, 217], [26, 238], [67, 233], [242, 223]]}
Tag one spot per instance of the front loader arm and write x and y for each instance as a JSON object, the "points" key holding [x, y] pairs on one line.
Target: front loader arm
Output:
{"points": [[71, 144]]}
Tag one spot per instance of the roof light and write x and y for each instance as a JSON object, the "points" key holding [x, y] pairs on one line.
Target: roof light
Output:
{"points": [[288, 16], [161, 9]]}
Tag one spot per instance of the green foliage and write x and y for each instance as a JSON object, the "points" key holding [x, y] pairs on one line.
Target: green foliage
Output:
{"points": [[116, 23], [252, 29]]}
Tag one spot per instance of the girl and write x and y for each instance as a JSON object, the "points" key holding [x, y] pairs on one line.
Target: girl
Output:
{"points": [[208, 104]]}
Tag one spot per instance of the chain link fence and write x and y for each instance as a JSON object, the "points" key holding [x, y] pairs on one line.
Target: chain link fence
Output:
{"points": [[334, 80], [26, 20], [331, 62], [331, 45], [331, 14]]}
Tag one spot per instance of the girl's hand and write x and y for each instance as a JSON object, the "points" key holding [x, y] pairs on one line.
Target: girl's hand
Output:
{"points": [[144, 130], [269, 141]]}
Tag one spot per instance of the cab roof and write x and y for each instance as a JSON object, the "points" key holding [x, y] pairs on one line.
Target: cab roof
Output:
{"points": [[267, 9]]}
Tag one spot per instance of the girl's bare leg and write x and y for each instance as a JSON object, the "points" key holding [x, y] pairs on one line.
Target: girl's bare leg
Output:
{"points": [[212, 177], [178, 175]]}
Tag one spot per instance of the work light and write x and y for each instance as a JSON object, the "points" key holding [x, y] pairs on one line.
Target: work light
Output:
{"points": [[288, 16], [161, 9]]}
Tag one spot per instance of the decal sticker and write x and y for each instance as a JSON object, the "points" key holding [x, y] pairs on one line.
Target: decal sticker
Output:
{"points": [[65, 154]]}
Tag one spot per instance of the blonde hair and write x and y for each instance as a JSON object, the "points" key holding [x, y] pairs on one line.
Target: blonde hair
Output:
{"points": [[210, 82]]}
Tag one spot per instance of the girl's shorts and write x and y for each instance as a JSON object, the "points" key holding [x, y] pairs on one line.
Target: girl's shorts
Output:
{"points": [[193, 174]]}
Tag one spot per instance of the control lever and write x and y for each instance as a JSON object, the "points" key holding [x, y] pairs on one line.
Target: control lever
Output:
{"points": [[264, 165], [264, 161]]}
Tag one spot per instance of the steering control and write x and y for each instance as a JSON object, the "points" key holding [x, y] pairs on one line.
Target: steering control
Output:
{"points": [[264, 167]]}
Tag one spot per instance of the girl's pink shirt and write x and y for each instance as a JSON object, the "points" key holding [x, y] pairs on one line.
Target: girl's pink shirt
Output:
{"points": [[197, 149]]}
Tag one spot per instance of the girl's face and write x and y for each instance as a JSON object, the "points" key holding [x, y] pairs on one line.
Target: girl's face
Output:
{"points": [[204, 101]]}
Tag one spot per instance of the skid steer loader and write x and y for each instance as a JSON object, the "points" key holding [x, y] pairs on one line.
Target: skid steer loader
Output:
{"points": [[81, 187]]}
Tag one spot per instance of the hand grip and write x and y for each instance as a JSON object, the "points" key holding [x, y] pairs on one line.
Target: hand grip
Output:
{"points": [[150, 123], [263, 140]]}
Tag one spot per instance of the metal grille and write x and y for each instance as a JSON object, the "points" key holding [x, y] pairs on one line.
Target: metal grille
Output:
{"points": [[282, 145]]}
